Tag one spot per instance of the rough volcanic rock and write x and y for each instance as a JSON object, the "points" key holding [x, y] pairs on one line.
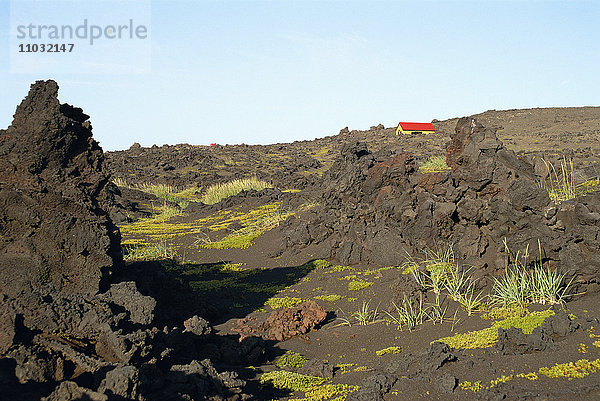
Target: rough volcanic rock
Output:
{"points": [[70, 391], [295, 321], [126, 295], [74, 325], [285, 323], [52, 177], [377, 208], [373, 388]]}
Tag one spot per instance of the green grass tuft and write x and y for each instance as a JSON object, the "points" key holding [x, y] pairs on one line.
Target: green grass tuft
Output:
{"points": [[561, 186], [218, 192], [133, 251], [434, 164]]}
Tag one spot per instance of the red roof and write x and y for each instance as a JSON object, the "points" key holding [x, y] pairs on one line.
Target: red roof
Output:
{"points": [[417, 126]]}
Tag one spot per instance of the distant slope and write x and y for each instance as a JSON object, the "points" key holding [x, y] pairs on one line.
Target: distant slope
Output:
{"points": [[573, 131]]}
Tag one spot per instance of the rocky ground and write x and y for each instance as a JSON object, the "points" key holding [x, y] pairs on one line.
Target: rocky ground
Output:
{"points": [[319, 288]]}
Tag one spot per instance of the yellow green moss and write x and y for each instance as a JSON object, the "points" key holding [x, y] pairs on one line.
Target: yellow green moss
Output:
{"points": [[487, 337], [285, 302], [291, 359], [291, 381], [314, 388], [330, 298], [339, 268], [320, 264], [570, 370], [467, 385], [528, 376], [161, 227], [388, 350], [358, 285], [505, 312]]}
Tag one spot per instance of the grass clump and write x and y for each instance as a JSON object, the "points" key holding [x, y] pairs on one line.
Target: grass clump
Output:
{"points": [[408, 315], [434, 164], [357, 285], [488, 337], [561, 185], [461, 288], [285, 302], [433, 270], [218, 192], [135, 251], [524, 282], [388, 350], [168, 192], [291, 359], [364, 316]]}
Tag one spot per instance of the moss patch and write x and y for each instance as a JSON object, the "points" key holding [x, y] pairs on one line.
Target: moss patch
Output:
{"points": [[388, 350], [506, 312], [314, 388], [572, 370], [487, 337], [284, 302], [329, 298], [358, 285], [291, 359]]}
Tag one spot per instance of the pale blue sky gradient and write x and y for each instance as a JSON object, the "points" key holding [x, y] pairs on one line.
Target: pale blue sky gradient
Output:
{"points": [[260, 72]]}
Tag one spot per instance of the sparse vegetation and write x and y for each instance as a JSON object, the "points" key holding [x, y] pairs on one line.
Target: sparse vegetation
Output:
{"points": [[133, 251], [218, 192], [364, 316], [434, 164], [163, 191], [561, 185], [433, 270], [257, 222], [408, 315]]}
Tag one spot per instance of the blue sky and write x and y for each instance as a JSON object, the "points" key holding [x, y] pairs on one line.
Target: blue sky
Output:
{"points": [[260, 72]]}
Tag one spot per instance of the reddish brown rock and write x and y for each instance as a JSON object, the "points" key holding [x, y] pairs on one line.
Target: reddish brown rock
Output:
{"points": [[286, 323]]}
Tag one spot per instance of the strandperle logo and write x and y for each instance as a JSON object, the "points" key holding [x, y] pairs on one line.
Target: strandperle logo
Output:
{"points": [[84, 31]]}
